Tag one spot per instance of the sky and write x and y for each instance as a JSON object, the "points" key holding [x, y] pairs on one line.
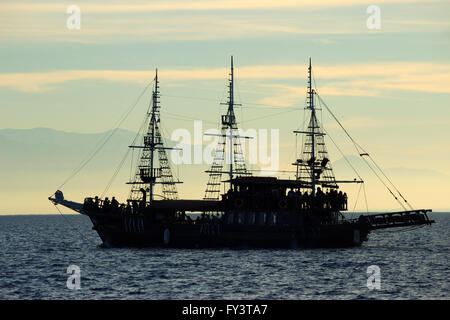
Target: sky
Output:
{"points": [[389, 86]]}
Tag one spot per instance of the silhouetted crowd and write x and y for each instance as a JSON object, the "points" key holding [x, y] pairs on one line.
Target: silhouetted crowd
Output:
{"points": [[330, 200], [132, 206], [201, 218], [294, 199]]}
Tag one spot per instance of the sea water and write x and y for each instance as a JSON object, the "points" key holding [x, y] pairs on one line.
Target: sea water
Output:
{"points": [[36, 252]]}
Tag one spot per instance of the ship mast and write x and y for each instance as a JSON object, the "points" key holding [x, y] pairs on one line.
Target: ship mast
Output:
{"points": [[147, 172], [312, 127], [155, 96], [231, 116], [230, 131], [314, 166]]}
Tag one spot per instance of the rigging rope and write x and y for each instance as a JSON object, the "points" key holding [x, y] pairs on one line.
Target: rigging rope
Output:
{"points": [[178, 116], [97, 149], [353, 168], [164, 134], [263, 105], [101, 144], [343, 155], [363, 153], [365, 197], [68, 222], [390, 182], [357, 197], [125, 157], [272, 115]]}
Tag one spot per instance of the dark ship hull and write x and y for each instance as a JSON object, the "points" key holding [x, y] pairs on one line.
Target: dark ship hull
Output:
{"points": [[165, 224], [139, 231]]}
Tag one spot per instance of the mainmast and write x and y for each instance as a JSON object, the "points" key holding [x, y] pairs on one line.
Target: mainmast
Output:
{"points": [[155, 100], [147, 174], [312, 127], [236, 158]]}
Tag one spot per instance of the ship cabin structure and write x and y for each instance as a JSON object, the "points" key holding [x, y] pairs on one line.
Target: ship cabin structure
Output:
{"points": [[272, 201]]}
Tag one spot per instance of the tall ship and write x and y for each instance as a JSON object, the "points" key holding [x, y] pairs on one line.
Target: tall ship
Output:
{"points": [[307, 211]]}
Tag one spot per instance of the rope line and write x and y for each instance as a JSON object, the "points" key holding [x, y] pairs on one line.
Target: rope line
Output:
{"points": [[363, 153], [70, 224], [268, 106], [100, 145], [357, 197], [119, 167]]}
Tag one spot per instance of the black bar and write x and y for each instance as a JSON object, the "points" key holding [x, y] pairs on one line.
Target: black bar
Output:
{"points": [[223, 309]]}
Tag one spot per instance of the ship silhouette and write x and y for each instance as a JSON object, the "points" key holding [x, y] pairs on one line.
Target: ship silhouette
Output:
{"points": [[255, 211]]}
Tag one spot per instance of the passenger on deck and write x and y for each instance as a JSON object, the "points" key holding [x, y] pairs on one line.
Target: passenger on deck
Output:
{"points": [[135, 207], [106, 204], [291, 194], [291, 199], [333, 200], [320, 198], [88, 204], [327, 199], [243, 192], [340, 200], [306, 200], [59, 195], [114, 202], [298, 197], [141, 206], [345, 201]]}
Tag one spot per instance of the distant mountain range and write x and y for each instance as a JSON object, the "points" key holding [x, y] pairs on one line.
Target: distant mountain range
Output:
{"points": [[48, 149], [36, 161], [33, 162]]}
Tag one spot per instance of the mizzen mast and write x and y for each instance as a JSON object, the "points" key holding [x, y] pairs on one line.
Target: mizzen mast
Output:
{"points": [[314, 165]]}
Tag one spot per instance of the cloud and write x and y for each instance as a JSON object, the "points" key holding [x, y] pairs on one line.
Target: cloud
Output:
{"points": [[157, 27], [362, 122], [195, 20], [43, 81], [358, 79], [287, 96], [205, 5], [371, 122]]}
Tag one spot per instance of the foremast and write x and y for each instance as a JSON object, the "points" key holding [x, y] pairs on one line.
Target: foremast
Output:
{"points": [[148, 174]]}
